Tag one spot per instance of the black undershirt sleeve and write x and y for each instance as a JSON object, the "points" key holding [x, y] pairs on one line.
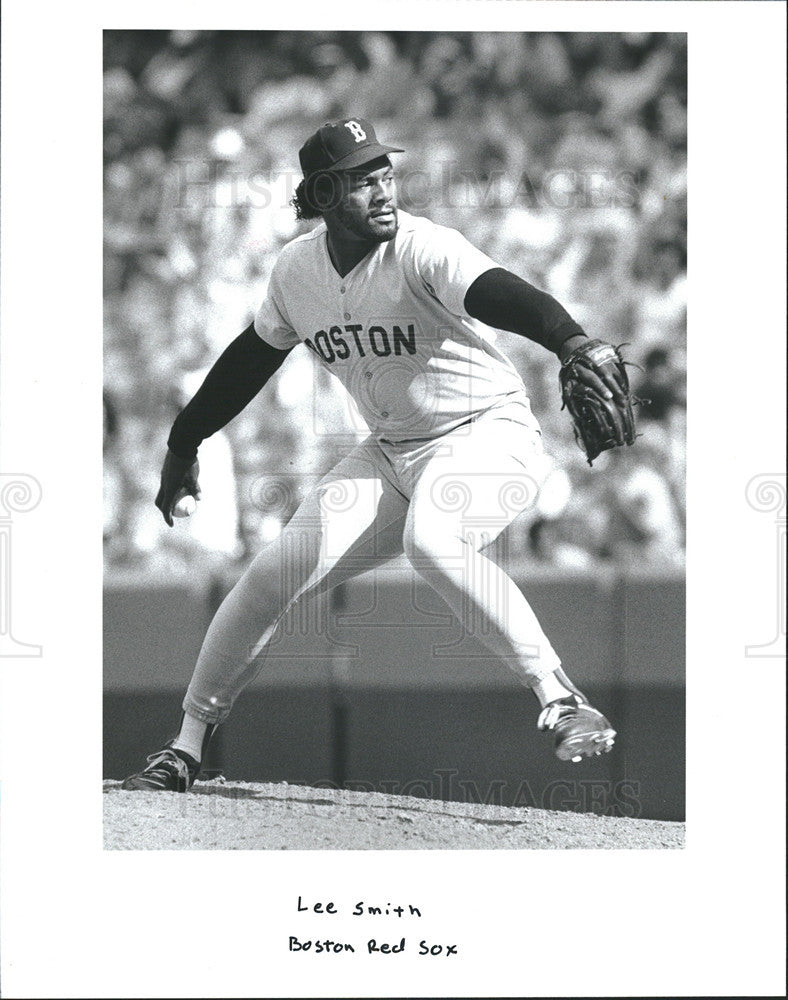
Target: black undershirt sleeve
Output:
{"points": [[501, 299], [240, 373]]}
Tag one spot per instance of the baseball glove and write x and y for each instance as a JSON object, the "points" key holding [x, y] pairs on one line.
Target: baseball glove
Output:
{"points": [[595, 389]]}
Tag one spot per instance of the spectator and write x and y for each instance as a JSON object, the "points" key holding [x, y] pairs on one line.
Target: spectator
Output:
{"points": [[553, 542], [643, 524], [662, 385]]}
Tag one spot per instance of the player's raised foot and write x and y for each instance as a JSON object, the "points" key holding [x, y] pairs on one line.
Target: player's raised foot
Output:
{"points": [[580, 730], [168, 770]]}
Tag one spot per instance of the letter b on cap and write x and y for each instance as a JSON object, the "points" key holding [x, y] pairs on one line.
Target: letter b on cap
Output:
{"points": [[358, 132]]}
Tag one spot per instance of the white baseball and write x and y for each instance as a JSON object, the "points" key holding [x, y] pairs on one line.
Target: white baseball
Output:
{"points": [[185, 507]]}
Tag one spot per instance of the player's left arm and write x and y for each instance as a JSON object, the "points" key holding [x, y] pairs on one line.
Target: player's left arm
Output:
{"points": [[503, 300]]}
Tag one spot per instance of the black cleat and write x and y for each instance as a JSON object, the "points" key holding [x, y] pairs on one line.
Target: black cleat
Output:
{"points": [[168, 770]]}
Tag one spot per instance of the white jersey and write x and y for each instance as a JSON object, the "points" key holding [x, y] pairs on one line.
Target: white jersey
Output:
{"points": [[394, 329]]}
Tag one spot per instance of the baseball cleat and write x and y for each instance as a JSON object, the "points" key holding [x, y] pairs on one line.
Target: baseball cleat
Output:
{"points": [[580, 730], [168, 770]]}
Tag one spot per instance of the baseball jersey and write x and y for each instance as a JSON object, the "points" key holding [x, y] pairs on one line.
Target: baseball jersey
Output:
{"points": [[394, 329]]}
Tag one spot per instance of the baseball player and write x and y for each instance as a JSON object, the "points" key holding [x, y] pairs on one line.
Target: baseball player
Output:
{"points": [[399, 310]]}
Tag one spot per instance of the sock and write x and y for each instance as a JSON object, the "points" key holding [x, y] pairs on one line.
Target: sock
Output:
{"points": [[191, 738], [550, 688]]}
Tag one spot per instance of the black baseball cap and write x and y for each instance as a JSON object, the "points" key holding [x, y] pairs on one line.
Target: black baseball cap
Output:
{"points": [[342, 145]]}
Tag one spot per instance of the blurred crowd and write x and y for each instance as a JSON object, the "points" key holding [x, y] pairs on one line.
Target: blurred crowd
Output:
{"points": [[562, 156]]}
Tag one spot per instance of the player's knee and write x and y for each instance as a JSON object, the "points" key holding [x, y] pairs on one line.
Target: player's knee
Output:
{"points": [[413, 545], [427, 548], [255, 592], [273, 580]]}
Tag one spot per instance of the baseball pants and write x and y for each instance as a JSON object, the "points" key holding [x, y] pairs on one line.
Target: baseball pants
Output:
{"points": [[440, 502]]}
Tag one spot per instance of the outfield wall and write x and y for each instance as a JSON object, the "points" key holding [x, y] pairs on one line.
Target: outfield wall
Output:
{"points": [[377, 687]]}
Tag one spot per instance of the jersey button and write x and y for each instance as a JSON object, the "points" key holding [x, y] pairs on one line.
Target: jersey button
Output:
{"points": [[385, 413], [367, 374], [342, 289], [347, 315]]}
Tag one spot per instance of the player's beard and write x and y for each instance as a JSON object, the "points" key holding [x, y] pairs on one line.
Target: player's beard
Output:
{"points": [[369, 228]]}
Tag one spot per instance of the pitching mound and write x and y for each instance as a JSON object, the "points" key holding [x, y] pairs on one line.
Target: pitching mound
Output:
{"points": [[239, 816]]}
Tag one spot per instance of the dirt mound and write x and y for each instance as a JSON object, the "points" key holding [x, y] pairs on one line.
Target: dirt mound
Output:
{"points": [[241, 816]]}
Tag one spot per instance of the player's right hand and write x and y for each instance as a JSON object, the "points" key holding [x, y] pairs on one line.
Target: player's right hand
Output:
{"points": [[179, 476]]}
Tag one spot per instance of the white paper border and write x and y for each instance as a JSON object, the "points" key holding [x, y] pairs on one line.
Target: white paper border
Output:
{"points": [[77, 921]]}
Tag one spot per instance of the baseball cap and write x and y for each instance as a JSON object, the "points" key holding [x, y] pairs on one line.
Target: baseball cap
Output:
{"points": [[341, 145]]}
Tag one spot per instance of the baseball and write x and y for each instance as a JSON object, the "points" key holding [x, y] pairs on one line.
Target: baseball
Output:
{"points": [[185, 507]]}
